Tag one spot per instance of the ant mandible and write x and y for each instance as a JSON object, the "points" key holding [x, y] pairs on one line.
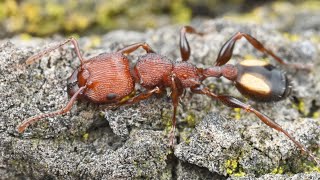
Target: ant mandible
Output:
{"points": [[108, 79]]}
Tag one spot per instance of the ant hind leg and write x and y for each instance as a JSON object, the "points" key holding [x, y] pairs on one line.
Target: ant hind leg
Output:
{"points": [[226, 51], [235, 103]]}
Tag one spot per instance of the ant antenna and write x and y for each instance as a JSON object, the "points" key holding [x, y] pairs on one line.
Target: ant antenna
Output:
{"points": [[39, 55], [67, 108]]}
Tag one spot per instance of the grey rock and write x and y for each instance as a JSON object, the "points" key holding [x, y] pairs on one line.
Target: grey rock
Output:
{"points": [[188, 171], [308, 176], [131, 142], [236, 148]]}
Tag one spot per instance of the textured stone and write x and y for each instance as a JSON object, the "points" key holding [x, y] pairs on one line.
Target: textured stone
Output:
{"points": [[132, 141]]}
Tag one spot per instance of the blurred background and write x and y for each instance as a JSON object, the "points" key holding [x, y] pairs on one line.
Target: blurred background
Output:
{"points": [[85, 17]]}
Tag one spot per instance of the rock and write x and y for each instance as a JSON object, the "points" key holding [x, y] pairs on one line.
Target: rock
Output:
{"points": [[131, 142], [283, 177], [189, 171], [230, 147]]}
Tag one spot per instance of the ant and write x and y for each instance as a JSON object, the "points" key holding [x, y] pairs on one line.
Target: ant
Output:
{"points": [[108, 79]]}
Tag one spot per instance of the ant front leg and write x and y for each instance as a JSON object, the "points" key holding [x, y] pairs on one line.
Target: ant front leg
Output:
{"points": [[235, 103], [226, 51], [184, 44], [139, 97], [39, 55], [67, 108], [129, 49]]}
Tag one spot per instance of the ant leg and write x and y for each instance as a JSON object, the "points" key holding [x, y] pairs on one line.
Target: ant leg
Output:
{"points": [[27, 122], [184, 44], [39, 55], [139, 97], [226, 51], [235, 103], [177, 91], [129, 49]]}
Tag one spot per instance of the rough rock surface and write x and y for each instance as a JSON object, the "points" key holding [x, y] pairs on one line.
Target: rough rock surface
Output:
{"points": [[95, 142]]}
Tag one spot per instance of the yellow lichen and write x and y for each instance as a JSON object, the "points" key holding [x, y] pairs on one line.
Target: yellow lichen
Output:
{"points": [[231, 166], [278, 170], [95, 41], [316, 115], [191, 120], [25, 36], [85, 136], [291, 37], [237, 115], [239, 174]]}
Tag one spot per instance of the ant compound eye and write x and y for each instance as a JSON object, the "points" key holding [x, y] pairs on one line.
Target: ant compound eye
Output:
{"points": [[111, 96]]}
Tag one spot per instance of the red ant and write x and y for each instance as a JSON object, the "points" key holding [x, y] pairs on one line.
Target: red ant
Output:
{"points": [[107, 78]]}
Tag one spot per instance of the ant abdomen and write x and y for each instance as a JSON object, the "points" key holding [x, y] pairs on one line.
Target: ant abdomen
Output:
{"points": [[261, 81]]}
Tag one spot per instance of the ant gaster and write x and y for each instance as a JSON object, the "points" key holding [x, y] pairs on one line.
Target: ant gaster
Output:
{"points": [[108, 79]]}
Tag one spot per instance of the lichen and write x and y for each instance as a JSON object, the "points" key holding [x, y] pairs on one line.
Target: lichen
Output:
{"points": [[85, 136], [233, 168], [237, 115], [300, 106], [291, 37], [167, 119], [316, 115], [277, 170], [191, 119]]}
